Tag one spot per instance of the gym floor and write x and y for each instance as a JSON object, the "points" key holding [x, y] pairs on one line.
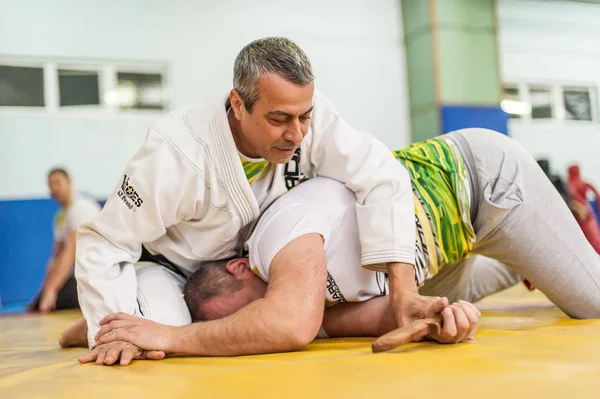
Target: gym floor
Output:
{"points": [[524, 348]]}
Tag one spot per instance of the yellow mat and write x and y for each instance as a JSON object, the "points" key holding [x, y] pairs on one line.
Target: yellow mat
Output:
{"points": [[524, 348]]}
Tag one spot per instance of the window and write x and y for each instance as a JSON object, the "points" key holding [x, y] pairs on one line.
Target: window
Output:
{"points": [[139, 91], [577, 102], [511, 92], [78, 87], [21, 86], [550, 102], [541, 102], [67, 85], [511, 102]]}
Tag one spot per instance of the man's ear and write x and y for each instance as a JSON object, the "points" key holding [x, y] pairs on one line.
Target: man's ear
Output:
{"points": [[236, 104], [238, 266]]}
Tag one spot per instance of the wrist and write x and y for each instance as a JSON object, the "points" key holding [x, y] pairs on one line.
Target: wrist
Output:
{"points": [[49, 290], [401, 278], [174, 342]]}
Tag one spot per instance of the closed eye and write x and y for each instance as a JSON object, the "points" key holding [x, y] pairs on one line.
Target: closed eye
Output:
{"points": [[277, 121]]}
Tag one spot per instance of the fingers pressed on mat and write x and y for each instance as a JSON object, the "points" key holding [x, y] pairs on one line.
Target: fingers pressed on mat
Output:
{"points": [[101, 355], [112, 355], [155, 355], [90, 357], [127, 355]]}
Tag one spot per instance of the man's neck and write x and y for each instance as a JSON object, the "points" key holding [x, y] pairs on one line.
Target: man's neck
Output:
{"points": [[68, 202]]}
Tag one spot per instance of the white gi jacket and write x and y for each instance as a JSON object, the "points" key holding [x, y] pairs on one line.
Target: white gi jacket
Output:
{"points": [[184, 195]]}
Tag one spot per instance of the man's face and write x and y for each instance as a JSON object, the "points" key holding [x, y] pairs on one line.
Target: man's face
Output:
{"points": [[279, 119], [60, 187], [223, 305]]}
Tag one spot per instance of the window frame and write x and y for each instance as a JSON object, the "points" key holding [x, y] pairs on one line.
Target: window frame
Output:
{"points": [[107, 79], [558, 106]]}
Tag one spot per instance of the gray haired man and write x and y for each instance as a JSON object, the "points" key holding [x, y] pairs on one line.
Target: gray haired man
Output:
{"points": [[195, 189]]}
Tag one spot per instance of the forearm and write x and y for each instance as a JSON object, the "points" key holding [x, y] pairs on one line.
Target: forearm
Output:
{"points": [[260, 327], [401, 278], [57, 249], [371, 318], [49, 270], [59, 271]]}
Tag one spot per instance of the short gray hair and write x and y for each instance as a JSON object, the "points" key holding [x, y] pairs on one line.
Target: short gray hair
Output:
{"points": [[270, 55], [211, 280]]}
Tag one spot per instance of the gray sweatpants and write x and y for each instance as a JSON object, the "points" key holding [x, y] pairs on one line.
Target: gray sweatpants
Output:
{"points": [[523, 224]]}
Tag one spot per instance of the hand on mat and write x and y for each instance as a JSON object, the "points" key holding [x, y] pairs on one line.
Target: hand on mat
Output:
{"points": [[32, 306], [47, 301], [143, 333], [460, 321], [107, 354], [410, 306]]}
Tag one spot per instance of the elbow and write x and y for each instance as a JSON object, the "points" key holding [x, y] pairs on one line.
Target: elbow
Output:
{"points": [[300, 337], [302, 332]]}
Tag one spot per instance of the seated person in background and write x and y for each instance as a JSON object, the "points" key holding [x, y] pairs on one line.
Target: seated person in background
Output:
{"points": [[59, 288]]}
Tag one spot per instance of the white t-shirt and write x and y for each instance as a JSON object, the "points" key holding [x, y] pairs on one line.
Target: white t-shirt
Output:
{"points": [[82, 210], [326, 207]]}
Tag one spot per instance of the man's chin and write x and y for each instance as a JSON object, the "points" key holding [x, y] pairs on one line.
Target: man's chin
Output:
{"points": [[281, 156]]}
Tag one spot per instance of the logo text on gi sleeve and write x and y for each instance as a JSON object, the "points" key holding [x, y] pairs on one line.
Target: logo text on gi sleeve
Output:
{"points": [[128, 194]]}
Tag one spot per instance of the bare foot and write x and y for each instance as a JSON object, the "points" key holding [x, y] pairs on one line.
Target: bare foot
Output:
{"points": [[75, 335]]}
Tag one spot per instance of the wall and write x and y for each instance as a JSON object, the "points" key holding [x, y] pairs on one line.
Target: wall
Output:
{"points": [[355, 47], [22, 224], [555, 41]]}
